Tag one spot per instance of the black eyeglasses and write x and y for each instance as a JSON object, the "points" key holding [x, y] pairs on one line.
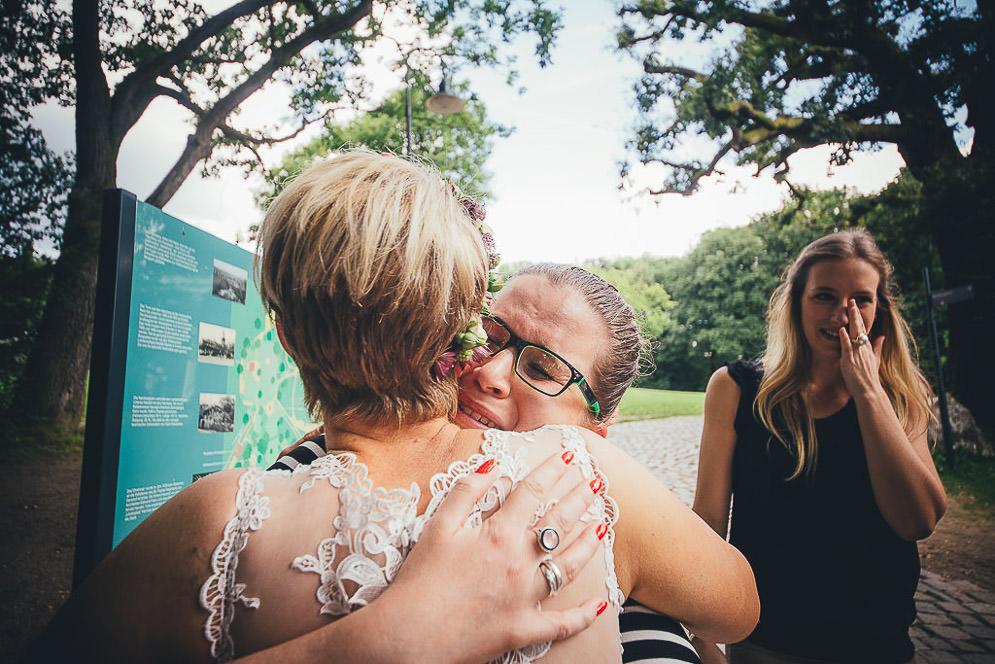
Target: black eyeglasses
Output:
{"points": [[540, 368]]}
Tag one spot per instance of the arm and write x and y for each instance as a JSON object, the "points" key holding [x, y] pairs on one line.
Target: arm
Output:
{"points": [[713, 492], [670, 560], [906, 485]]}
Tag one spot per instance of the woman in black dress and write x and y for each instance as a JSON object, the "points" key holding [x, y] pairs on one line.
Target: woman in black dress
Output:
{"points": [[821, 448]]}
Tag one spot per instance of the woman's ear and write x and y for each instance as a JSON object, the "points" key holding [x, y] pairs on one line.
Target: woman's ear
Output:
{"points": [[279, 333], [602, 428]]}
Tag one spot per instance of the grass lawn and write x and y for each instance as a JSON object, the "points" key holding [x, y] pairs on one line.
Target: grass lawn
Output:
{"points": [[641, 403]]}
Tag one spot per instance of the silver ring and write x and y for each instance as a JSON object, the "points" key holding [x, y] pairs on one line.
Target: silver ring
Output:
{"points": [[548, 539], [553, 576], [863, 339]]}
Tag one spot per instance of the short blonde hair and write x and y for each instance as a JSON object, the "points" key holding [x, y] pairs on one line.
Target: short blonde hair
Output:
{"points": [[371, 266]]}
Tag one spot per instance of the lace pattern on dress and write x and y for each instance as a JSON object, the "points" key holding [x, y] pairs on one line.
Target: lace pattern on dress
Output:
{"points": [[220, 592], [375, 529]]}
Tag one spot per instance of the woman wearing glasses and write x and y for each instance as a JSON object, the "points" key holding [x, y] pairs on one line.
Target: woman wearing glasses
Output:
{"points": [[375, 271]]}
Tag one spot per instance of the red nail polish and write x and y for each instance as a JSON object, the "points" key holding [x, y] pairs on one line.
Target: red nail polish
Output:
{"points": [[601, 531], [596, 484], [602, 607], [486, 466], [567, 457]]}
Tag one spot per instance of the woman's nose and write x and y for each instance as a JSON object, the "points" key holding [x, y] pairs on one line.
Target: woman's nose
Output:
{"points": [[494, 375]]}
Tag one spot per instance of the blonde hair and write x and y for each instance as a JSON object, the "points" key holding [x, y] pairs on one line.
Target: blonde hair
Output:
{"points": [[370, 266], [780, 402]]}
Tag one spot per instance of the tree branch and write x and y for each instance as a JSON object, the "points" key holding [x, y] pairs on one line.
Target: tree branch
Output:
{"points": [[135, 92], [651, 67], [199, 144], [180, 98]]}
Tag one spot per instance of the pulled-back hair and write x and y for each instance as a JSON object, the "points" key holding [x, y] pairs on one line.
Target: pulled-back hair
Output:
{"points": [[370, 266], [780, 402], [625, 349]]}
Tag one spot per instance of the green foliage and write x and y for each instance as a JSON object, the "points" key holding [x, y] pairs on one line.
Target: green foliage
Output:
{"points": [[650, 301], [35, 179], [457, 144], [24, 281], [767, 79], [640, 403], [718, 293], [972, 475]]}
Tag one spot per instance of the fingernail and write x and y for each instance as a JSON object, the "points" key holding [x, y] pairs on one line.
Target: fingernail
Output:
{"points": [[596, 484], [486, 466], [602, 607], [601, 530], [567, 457]]}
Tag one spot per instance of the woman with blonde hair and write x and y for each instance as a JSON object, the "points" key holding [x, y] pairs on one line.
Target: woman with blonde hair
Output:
{"points": [[821, 448], [377, 274]]}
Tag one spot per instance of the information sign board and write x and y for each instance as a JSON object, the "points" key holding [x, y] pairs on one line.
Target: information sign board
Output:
{"points": [[191, 378]]}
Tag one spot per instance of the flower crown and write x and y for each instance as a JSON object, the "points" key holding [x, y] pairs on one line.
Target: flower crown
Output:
{"points": [[467, 347]]}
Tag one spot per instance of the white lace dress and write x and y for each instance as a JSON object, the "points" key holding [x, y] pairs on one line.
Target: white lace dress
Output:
{"points": [[375, 529]]}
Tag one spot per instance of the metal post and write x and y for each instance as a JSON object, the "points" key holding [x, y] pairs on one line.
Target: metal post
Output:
{"points": [[407, 114], [948, 438]]}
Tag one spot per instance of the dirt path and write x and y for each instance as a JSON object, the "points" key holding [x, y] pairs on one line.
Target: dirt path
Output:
{"points": [[38, 529]]}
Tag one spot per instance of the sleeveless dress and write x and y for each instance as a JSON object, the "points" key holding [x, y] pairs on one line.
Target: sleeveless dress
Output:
{"points": [[835, 581], [375, 528]]}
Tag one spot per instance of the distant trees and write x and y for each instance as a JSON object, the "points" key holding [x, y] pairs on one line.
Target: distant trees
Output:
{"points": [[718, 293], [458, 144]]}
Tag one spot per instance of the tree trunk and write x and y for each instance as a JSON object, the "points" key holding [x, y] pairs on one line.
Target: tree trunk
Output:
{"points": [[52, 391], [961, 207]]}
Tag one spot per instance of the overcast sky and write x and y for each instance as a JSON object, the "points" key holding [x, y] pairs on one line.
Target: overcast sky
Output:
{"points": [[555, 180]]}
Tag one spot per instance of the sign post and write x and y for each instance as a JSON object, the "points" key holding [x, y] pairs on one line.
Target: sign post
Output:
{"points": [[935, 299]]}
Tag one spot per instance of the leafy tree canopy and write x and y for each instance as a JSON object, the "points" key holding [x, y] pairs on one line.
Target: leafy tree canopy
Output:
{"points": [[457, 144], [791, 74], [762, 79]]}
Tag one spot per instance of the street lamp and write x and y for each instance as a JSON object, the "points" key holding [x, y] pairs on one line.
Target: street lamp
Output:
{"points": [[441, 103]]}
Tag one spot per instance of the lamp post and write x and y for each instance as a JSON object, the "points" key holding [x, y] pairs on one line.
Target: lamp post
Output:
{"points": [[442, 102]]}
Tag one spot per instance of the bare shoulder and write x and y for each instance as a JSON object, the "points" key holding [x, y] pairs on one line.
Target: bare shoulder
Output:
{"points": [[140, 602], [721, 382]]}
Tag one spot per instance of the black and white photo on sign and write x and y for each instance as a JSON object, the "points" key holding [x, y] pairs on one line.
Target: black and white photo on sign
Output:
{"points": [[229, 282], [216, 345], [217, 413]]}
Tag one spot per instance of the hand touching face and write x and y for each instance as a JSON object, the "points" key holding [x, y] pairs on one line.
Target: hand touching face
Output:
{"points": [[838, 293]]}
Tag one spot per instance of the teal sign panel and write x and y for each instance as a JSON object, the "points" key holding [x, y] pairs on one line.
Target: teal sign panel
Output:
{"points": [[201, 382]]}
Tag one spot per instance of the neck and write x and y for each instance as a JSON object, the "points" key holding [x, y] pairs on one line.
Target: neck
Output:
{"points": [[826, 389], [370, 439]]}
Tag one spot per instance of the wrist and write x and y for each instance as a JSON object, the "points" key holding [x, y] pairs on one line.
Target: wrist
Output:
{"points": [[871, 396]]}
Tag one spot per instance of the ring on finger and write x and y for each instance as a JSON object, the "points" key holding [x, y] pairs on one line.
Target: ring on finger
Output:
{"points": [[553, 576], [863, 340], [548, 539]]}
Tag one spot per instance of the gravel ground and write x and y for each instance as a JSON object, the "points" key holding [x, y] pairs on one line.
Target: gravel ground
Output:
{"points": [[668, 448]]}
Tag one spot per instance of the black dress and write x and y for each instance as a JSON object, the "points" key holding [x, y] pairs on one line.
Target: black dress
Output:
{"points": [[835, 582]]}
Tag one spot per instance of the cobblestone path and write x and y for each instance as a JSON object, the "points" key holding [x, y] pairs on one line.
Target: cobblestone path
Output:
{"points": [[956, 621]]}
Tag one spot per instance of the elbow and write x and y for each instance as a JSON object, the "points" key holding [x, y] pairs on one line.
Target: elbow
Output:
{"points": [[750, 606], [924, 524]]}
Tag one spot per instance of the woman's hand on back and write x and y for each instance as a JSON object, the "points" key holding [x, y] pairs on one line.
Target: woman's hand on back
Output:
{"points": [[474, 593]]}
